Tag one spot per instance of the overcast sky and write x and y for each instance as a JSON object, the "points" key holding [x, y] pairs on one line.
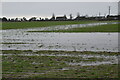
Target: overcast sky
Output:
{"points": [[46, 9], [60, 0]]}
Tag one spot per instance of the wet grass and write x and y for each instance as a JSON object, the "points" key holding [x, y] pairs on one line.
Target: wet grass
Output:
{"points": [[102, 71], [20, 66], [21, 25], [101, 28], [0, 25], [57, 52]]}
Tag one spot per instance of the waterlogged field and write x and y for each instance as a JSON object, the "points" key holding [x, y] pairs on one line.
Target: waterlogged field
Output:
{"points": [[98, 28], [89, 27], [35, 52], [59, 64], [22, 25]]}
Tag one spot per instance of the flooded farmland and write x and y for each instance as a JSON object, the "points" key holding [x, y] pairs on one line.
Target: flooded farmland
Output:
{"points": [[42, 63], [50, 54], [102, 59], [20, 39]]}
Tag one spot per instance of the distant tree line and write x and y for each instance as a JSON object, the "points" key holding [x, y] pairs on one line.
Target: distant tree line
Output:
{"points": [[62, 18]]}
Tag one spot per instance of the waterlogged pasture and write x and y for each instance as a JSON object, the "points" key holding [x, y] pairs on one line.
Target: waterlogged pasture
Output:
{"points": [[22, 39], [59, 64], [38, 53], [35, 24], [89, 27]]}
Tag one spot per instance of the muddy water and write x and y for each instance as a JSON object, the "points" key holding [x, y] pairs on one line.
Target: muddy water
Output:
{"points": [[60, 41]]}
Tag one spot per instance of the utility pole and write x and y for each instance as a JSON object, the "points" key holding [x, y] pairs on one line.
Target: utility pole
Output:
{"points": [[109, 9], [99, 14], [119, 8]]}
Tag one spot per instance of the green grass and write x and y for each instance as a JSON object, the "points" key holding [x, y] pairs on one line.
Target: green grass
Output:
{"points": [[0, 25], [101, 28], [21, 25], [102, 71], [19, 66], [57, 52], [16, 43]]}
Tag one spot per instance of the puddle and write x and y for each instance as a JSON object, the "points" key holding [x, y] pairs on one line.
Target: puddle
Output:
{"points": [[93, 63]]}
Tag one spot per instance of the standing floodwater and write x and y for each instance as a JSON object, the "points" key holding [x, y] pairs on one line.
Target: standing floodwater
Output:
{"points": [[23, 40]]}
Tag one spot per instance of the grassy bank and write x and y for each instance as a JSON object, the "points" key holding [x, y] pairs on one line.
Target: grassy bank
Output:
{"points": [[21, 25], [29, 64]]}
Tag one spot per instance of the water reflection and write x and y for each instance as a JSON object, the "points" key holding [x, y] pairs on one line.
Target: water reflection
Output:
{"points": [[61, 41], [20, 39]]}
